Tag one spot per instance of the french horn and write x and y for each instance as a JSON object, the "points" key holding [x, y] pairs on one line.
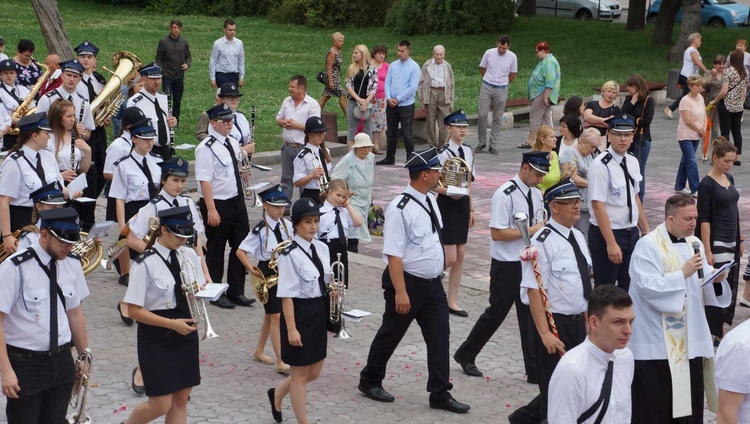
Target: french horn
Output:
{"points": [[262, 285], [456, 175]]}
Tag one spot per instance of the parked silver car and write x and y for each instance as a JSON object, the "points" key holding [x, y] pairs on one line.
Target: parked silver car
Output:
{"points": [[605, 10]]}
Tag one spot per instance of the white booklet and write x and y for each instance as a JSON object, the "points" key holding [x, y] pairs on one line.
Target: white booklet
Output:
{"points": [[717, 272], [100, 229], [78, 184], [212, 291]]}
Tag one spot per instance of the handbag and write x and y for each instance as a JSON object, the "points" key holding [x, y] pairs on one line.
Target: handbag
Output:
{"points": [[323, 78]]}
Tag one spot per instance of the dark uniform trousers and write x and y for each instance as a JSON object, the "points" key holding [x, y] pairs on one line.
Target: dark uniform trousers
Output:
{"points": [[233, 228], [505, 290], [46, 383], [177, 87], [606, 271], [429, 306], [572, 331], [225, 77], [651, 393], [94, 177]]}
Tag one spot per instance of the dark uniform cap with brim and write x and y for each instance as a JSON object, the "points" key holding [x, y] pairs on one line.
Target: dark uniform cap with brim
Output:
{"points": [[422, 160], [86, 48], [72, 66], [314, 125], [457, 118], [537, 160], [220, 112], [562, 190], [175, 166], [8, 65], [274, 196], [35, 121], [50, 194], [143, 129], [305, 207], [62, 223], [179, 221], [151, 70], [622, 122], [132, 115], [229, 89]]}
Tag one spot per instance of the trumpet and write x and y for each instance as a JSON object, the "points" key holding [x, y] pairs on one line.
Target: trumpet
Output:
{"points": [[114, 251], [262, 285], [80, 389], [323, 182], [337, 298], [197, 306], [246, 178]]}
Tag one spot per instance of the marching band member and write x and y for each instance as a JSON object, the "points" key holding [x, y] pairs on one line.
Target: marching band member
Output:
{"points": [[71, 76], [135, 181], [46, 198], [11, 96], [156, 299], [120, 147], [62, 120], [260, 243], [306, 175], [458, 210], [29, 167], [337, 217], [222, 203], [155, 106], [41, 316], [303, 271], [413, 289], [228, 94]]}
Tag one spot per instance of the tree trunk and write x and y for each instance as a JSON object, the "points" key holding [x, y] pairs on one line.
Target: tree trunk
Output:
{"points": [[665, 22], [636, 16], [53, 29], [527, 8], [691, 22]]}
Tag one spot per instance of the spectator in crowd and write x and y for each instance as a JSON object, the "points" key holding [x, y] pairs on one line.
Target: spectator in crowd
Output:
{"points": [[3, 56], [641, 106], [731, 100], [545, 142], [690, 130], [377, 114], [333, 73], [597, 112], [574, 106], [52, 61], [227, 63], [714, 80], [570, 130], [361, 84], [400, 87], [543, 90], [741, 45], [498, 67], [29, 70], [173, 56], [437, 93], [692, 63], [576, 162]]}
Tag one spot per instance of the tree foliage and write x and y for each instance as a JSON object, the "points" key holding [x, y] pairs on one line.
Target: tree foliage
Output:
{"points": [[691, 22], [451, 16]]}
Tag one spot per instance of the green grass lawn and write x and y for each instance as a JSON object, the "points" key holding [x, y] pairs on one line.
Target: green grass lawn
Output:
{"points": [[589, 53]]}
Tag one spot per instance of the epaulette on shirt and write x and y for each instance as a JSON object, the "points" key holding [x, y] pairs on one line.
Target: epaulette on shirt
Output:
{"points": [[211, 140], [289, 249], [156, 155], [23, 257], [543, 235], [51, 94], [157, 199], [97, 76], [137, 98], [443, 149], [18, 154], [74, 256], [607, 157], [117, 162], [303, 152], [257, 228], [402, 204], [145, 255], [510, 189]]}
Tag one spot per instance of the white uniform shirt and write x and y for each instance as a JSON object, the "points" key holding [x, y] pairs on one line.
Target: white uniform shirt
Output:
{"points": [[153, 284], [559, 268], [653, 291], [213, 163], [241, 129], [298, 276], [18, 179], [139, 223], [5, 120], [607, 184], [303, 165], [145, 101], [83, 89], [46, 101], [451, 151], [507, 200], [25, 298], [129, 182], [408, 234], [328, 230], [29, 238], [11, 97], [732, 372], [261, 241], [121, 146], [498, 67], [63, 156], [308, 108], [576, 385]]}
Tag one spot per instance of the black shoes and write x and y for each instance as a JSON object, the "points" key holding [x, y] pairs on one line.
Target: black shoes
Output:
{"points": [[272, 398], [493, 151], [458, 312], [376, 393], [479, 149], [127, 320], [124, 280], [136, 388], [223, 303], [469, 368], [451, 405], [240, 300], [386, 161]]}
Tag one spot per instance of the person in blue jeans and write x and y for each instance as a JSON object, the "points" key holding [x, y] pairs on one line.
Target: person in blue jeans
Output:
{"points": [[690, 130], [639, 104]]}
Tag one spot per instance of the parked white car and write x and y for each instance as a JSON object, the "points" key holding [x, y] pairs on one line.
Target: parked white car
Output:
{"points": [[605, 10]]}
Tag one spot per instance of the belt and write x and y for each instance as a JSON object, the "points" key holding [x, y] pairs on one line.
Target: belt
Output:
{"points": [[495, 85], [574, 317], [17, 351], [438, 88], [292, 144], [228, 73]]}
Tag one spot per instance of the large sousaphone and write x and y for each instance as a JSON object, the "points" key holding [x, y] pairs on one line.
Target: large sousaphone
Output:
{"points": [[108, 102]]}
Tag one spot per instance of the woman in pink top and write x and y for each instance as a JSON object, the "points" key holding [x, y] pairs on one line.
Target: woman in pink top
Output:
{"points": [[690, 130], [378, 102]]}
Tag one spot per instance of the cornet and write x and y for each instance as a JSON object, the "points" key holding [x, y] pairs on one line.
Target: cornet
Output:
{"points": [[81, 389], [197, 306], [246, 178], [337, 297], [323, 182]]}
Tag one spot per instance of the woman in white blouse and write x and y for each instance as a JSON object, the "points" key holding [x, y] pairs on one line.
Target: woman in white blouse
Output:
{"points": [[62, 119]]}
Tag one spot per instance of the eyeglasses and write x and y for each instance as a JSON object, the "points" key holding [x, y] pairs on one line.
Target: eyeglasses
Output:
{"points": [[621, 135], [221, 121], [571, 202]]}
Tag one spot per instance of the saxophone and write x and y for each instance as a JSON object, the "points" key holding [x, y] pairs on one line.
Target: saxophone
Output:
{"points": [[81, 389], [23, 109]]}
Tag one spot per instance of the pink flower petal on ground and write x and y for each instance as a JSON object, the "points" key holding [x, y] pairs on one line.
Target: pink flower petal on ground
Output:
{"points": [[212, 364], [399, 397], [123, 408], [356, 363], [507, 405], [406, 366], [419, 374], [450, 379], [487, 378], [390, 376], [414, 353]]}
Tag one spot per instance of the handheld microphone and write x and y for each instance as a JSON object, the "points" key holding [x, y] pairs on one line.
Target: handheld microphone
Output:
{"points": [[697, 249]]}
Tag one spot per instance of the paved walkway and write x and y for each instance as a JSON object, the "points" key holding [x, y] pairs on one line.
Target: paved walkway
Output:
{"points": [[233, 385]]}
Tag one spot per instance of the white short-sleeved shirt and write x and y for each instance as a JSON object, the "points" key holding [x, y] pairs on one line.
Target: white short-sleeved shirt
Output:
{"points": [[19, 179], [121, 146], [139, 222], [146, 102], [559, 268], [213, 163], [11, 97], [152, 285], [451, 151], [732, 372], [308, 108], [5, 120], [28, 238], [303, 165], [298, 276], [25, 298], [607, 184], [328, 230], [408, 233], [241, 130], [498, 67], [507, 200], [63, 156], [688, 66], [129, 181], [261, 241], [83, 89], [46, 101]]}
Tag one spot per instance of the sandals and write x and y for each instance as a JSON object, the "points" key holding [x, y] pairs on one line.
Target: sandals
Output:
{"points": [[524, 146], [378, 151]]}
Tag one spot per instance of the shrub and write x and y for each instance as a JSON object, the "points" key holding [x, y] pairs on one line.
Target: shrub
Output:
{"points": [[206, 7], [459, 17], [329, 13]]}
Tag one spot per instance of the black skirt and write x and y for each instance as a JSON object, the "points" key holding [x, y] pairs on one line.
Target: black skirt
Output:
{"points": [[273, 306], [20, 216], [311, 316], [456, 214], [169, 361], [335, 247]]}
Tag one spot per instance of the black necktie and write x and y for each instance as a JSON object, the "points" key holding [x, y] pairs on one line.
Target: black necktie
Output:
{"points": [[583, 266], [53, 296], [161, 123], [179, 294], [92, 93], [319, 266], [40, 169], [13, 93], [461, 152], [70, 98], [340, 227], [175, 204], [628, 182], [228, 145], [147, 172], [277, 233]]}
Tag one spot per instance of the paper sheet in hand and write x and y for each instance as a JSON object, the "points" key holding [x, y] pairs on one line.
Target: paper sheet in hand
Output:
{"points": [[79, 184], [711, 279], [84, 200], [453, 190], [212, 291], [99, 229], [184, 146], [259, 186]]}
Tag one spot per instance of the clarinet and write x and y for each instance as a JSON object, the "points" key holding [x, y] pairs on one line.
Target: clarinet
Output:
{"points": [[73, 133], [251, 139], [171, 129]]}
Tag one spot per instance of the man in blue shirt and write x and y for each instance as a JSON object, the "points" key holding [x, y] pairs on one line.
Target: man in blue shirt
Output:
{"points": [[400, 88]]}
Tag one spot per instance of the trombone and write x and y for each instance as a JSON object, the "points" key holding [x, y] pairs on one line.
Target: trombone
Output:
{"points": [[196, 305], [337, 298]]}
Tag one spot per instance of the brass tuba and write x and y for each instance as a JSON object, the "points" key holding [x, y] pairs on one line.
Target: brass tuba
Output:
{"points": [[108, 102], [456, 173], [90, 251], [246, 178], [262, 285], [81, 389], [197, 306], [337, 298], [114, 251], [23, 109]]}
